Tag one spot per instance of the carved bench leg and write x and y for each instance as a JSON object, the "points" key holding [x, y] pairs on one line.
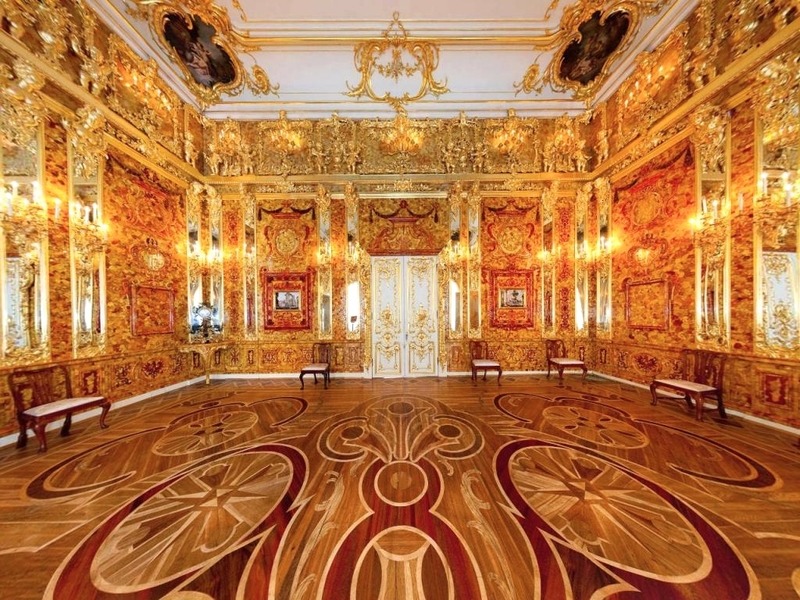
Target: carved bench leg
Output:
{"points": [[67, 424], [499, 372], [38, 429], [653, 394], [548, 369], [698, 405], [302, 385]]}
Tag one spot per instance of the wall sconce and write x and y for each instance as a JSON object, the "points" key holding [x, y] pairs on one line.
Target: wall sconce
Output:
{"points": [[709, 225], [324, 253], [353, 257], [547, 257], [21, 209]]}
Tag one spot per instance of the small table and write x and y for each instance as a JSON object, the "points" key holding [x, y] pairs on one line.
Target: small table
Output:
{"points": [[205, 352]]}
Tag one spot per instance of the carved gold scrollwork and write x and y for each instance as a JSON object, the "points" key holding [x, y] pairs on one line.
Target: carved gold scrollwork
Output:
{"points": [[407, 58], [22, 108], [88, 141]]}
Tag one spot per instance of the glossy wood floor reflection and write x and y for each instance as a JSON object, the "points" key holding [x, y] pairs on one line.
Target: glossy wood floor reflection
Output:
{"points": [[425, 488]]}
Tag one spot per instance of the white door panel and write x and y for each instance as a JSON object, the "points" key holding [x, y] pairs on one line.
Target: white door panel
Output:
{"points": [[404, 321]]}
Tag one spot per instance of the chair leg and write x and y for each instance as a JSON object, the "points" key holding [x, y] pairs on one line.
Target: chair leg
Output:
{"points": [[103, 414], [548, 369], [302, 385], [654, 401], [22, 440], [499, 373], [560, 373], [584, 372], [474, 375], [315, 379], [484, 374], [721, 406], [67, 424], [325, 379]]}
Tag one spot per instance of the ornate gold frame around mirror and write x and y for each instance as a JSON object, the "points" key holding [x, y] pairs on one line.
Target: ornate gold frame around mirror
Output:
{"points": [[602, 259], [776, 209], [24, 223], [87, 232], [324, 279], [712, 226]]}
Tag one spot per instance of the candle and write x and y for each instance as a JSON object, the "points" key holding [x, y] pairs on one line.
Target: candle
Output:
{"points": [[715, 207], [94, 212], [703, 205], [741, 201], [14, 189], [764, 182], [86, 214], [57, 208]]}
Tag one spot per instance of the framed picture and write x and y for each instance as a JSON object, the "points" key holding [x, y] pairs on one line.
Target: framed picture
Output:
{"points": [[512, 298], [512, 305], [194, 43], [286, 300]]}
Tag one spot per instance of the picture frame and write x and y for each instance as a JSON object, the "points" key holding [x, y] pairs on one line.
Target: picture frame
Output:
{"points": [[286, 300], [513, 301]]}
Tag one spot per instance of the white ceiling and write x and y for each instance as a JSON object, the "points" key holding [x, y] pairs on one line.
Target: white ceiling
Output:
{"points": [[307, 48]]}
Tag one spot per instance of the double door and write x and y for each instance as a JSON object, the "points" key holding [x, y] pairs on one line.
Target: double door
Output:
{"points": [[404, 322]]}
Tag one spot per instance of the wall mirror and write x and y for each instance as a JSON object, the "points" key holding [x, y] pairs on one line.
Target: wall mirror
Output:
{"points": [[581, 262], [249, 265], [324, 272], [355, 259], [205, 252], [452, 258], [711, 139], [603, 257], [474, 263], [547, 258], [24, 308]]}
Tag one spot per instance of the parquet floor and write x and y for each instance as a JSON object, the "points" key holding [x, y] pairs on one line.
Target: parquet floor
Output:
{"points": [[389, 489]]}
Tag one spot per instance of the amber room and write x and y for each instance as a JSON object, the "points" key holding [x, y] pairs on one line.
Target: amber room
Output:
{"points": [[424, 300]]}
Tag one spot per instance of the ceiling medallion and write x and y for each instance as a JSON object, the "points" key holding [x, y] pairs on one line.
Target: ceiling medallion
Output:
{"points": [[593, 33], [199, 39], [395, 56]]}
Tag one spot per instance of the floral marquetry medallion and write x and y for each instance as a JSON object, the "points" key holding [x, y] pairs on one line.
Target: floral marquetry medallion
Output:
{"points": [[393, 490]]}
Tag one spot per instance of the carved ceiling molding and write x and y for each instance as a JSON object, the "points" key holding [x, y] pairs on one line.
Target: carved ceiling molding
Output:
{"points": [[388, 56], [199, 39]]}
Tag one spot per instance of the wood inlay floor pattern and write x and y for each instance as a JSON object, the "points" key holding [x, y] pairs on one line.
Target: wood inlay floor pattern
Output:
{"points": [[421, 488]]}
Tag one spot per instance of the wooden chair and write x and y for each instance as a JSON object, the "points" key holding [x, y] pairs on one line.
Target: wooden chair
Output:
{"points": [[320, 364], [701, 378], [479, 351], [556, 355], [44, 394]]}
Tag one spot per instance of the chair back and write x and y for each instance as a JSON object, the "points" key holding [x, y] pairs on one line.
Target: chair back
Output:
{"points": [[33, 386], [555, 349], [703, 366], [478, 349], [321, 352]]}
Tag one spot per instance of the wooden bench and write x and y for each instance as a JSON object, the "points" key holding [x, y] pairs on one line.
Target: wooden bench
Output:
{"points": [[44, 394], [701, 378]]}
